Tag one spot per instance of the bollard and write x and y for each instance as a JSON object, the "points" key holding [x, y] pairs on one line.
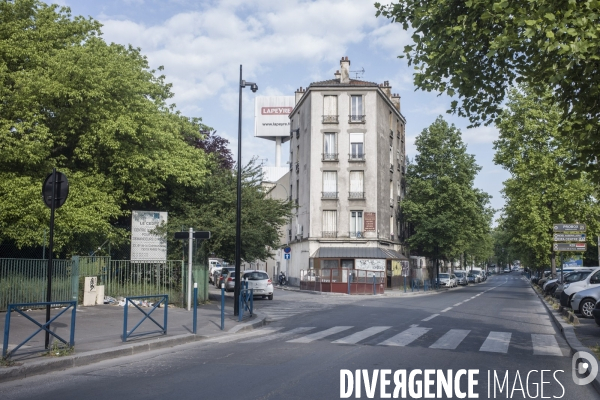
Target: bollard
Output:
{"points": [[195, 307], [222, 306], [349, 279], [374, 284], [404, 284]]}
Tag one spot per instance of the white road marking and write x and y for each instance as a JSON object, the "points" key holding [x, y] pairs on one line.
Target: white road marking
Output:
{"points": [[430, 317], [320, 335], [358, 336], [232, 337], [446, 309], [405, 338], [450, 340], [457, 304], [545, 345], [279, 335], [496, 342]]}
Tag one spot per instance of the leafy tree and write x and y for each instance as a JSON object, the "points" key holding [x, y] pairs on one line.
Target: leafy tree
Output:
{"points": [[447, 213], [216, 146], [477, 49], [213, 208], [97, 113], [542, 190]]}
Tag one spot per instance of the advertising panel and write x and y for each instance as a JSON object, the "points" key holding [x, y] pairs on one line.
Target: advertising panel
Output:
{"points": [[146, 246], [370, 264], [271, 116]]}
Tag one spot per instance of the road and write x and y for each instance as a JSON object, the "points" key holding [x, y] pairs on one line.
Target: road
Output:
{"points": [[496, 327]]}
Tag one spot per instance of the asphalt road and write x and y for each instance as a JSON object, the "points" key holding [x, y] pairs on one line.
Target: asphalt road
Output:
{"points": [[495, 327]]}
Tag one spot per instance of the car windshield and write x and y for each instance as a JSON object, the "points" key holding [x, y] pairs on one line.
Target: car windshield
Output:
{"points": [[443, 276], [256, 276], [460, 274]]}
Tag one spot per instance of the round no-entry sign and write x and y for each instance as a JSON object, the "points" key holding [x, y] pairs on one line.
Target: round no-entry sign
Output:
{"points": [[61, 193]]}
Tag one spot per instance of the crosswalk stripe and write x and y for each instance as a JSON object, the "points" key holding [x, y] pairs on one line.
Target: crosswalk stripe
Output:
{"points": [[496, 342], [451, 339], [358, 336], [405, 338], [231, 338], [279, 335], [320, 335], [545, 345]]}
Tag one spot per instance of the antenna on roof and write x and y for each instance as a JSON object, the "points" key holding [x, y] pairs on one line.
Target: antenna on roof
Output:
{"points": [[358, 74]]}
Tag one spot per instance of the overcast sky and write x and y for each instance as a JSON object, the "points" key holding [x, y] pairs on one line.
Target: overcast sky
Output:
{"points": [[282, 45]]}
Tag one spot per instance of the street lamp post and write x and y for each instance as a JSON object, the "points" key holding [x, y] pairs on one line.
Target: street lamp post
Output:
{"points": [[238, 220]]}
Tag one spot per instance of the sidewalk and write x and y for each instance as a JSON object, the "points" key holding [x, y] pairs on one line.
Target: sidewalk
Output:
{"points": [[98, 332]]}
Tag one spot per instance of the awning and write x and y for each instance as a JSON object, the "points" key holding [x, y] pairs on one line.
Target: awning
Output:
{"points": [[357, 252]]}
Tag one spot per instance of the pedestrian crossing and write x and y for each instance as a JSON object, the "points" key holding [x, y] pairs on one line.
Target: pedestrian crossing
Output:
{"points": [[495, 342]]}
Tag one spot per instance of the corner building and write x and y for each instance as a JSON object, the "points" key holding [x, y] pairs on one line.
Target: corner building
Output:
{"points": [[347, 176]]}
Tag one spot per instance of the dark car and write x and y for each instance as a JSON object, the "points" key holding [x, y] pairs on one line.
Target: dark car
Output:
{"points": [[472, 278]]}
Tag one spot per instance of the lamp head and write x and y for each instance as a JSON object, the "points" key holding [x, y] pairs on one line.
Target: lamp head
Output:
{"points": [[254, 87]]}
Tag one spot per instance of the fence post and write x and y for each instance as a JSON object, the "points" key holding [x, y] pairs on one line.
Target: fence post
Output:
{"points": [[73, 324], [6, 332], [349, 279], [405, 284], [125, 319], [374, 284], [75, 278], [195, 307], [222, 306]]}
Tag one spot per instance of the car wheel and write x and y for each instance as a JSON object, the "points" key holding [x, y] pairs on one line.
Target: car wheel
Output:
{"points": [[586, 306], [270, 297]]}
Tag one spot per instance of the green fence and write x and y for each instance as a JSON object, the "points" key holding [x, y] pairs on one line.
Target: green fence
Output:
{"points": [[26, 281]]}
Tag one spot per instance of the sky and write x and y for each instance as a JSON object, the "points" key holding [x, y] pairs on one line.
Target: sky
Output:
{"points": [[282, 45]]}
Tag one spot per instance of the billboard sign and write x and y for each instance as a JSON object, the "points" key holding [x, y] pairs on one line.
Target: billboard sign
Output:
{"points": [[271, 116], [370, 264], [147, 246]]}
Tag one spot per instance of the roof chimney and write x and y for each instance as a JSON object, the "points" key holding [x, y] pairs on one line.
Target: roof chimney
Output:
{"points": [[396, 101], [387, 89], [299, 93], [345, 70], [337, 74]]}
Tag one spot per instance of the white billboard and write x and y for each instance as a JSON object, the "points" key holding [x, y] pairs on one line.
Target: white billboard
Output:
{"points": [[271, 116], [369, 264], [146, 246]]}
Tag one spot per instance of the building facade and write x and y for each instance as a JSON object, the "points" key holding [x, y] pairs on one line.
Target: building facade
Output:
{"points": [[347, 173]]}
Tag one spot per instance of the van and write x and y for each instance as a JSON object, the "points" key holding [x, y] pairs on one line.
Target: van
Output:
{"points": [[214, 265]]}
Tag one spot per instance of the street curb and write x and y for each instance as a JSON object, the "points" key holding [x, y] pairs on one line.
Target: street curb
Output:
{"points": [[568, 332], [44, 366]]}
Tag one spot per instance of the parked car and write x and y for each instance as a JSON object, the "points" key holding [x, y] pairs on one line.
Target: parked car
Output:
{"points": [[570, 278], [260, 282], [219, 275], [461, 278], [472, 278], [447, 280], [596, 313], [228, 278], [585, 301], [550, 285], [569, 289]]}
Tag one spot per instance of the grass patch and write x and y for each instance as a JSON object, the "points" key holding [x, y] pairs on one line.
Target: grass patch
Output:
{"points": [[59, 349], [7, 362], [596, 350]]}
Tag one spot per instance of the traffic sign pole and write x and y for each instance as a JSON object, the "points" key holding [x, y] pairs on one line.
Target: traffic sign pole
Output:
{"points": [[190, 244], [50, 249]]}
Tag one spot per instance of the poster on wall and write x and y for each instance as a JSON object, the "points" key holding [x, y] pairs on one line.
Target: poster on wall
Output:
{"points": [[396, 268], [370, 222], [370, 264], [147, 246]]}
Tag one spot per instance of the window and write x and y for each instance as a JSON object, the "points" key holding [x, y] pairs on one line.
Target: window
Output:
{"points": [[356, 185], [356, 223], [297, 190], [356, 108], [329, 147], [329, 223], [392, 227], [392, 194], [330, 112], [391, 156], [330, 184], [356, 146]]}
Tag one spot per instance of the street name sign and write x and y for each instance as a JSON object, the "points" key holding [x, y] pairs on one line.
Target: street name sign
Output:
{"points": [[569, 227], [569, 246], [569, 237]]}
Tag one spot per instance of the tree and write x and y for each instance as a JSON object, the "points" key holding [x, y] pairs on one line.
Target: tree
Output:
{"points": [[477, 49], [447, 213], [97, 113], [542, 190], [216, 146], [213, 208]]}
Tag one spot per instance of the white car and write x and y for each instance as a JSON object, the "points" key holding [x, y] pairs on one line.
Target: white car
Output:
{"points": [[260, 282], [448, 280], [569, 289]]}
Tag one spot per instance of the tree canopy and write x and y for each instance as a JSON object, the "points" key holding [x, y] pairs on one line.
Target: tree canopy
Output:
{"points": [[97, 113], [477, 49], [448, 215], [542, 190]]}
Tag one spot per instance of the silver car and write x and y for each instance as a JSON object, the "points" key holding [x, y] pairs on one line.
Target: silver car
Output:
{"points": [[461, 278], [585, 301], [260, 282], [447, 280]]}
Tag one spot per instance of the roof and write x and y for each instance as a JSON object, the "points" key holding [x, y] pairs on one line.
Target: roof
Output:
{"points": [[357, 252], [336, 82]]}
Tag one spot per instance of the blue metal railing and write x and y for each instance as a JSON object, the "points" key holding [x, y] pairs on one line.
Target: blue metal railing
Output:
{"points": [[42, 327], [164, 300], [246, 300]]}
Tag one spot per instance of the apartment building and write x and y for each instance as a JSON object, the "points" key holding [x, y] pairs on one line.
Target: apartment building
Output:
{"points": [[347, 174]]}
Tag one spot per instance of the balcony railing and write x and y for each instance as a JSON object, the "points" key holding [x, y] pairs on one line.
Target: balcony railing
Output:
{"points": [[356, 157], [392, 202], [330, 156], [391, 167], [356, 119], [298, 167], [329, 234], [357, 234], [329, 195], [330, 119], [356, 195], [391, 133]]}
